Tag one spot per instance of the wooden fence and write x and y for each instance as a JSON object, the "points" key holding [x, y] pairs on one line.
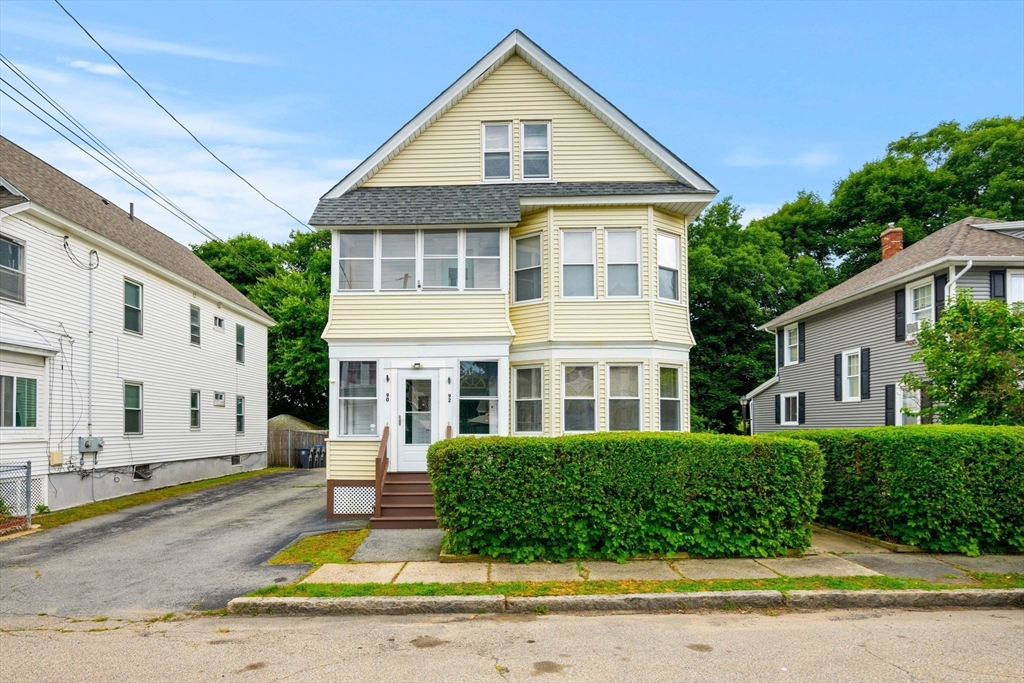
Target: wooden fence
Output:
{"points": [[282, 443]]}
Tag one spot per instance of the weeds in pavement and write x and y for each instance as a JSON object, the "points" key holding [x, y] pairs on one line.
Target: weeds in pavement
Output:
{"points": [[331, 548]]}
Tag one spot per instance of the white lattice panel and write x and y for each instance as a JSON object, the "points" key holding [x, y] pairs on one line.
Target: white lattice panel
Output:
{"points": [[354, 500], [12, 491]]}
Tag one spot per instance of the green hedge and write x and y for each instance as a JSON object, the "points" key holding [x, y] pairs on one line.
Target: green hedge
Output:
{"points": [[623, 494], [954, 488]]}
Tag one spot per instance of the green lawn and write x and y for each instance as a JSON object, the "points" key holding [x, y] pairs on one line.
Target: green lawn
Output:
{"points": [[334, 548], [48, 520]]}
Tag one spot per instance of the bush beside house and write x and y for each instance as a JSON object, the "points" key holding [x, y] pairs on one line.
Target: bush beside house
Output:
{"points": [[946, 488], [617, 495]]}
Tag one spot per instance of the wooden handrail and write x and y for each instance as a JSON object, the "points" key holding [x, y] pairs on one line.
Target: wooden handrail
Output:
{"points": [[381, 470]]}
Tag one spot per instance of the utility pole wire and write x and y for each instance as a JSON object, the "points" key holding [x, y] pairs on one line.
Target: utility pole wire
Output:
{"points": [[175, 119]]}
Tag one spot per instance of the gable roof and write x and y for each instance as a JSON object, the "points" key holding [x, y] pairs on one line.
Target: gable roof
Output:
{"points": [[966, 239], [42, 184], [516, 43]]}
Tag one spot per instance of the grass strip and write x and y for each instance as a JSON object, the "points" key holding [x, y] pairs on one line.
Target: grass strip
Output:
{"points": [[49, 520], [331, 548], [524, 589]]}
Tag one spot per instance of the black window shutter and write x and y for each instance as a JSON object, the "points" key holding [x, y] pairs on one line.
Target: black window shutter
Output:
{"points": [[926, 402], [801, 399], [839, 376], [940, 294], [901, 315], [778, 409], [890, 405], [865, 373], [800, 334], [781, 343], [997, 284]]}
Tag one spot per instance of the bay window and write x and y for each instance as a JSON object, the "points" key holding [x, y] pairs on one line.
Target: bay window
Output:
{"points": [[671, 402], [527, 267], [529, 400], [623, 398], [623, 262], [357, 393], [668, 267], [579, 399], [578, 263]]}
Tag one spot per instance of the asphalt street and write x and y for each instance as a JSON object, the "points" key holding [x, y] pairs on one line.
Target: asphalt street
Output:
{"points": [[196, 551], [839, 645]]}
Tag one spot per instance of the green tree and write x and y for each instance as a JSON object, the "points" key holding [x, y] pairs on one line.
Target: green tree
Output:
{"points": [[739, 279], [974, 363], [241, 260], [805, 226]]}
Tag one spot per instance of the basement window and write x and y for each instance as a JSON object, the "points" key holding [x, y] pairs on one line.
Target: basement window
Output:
{"points": [[142, 473], [236, 460]]}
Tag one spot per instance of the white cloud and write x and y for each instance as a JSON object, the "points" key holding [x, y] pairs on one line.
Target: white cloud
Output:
{"points": [[755, 210], [816, 159], [750, 157], [102, 69]]}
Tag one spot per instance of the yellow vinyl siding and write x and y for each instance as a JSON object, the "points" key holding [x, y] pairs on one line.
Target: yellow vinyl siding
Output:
{"points": [[583, 148], [417, 315], [351, 459], [603, 320], [672, 323], [667, 222], [530, 322]]}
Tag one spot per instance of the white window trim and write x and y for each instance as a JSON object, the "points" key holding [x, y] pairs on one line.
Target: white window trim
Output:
{"points": [[237, 431], [516, 269], [597, 415], [847, 398], [1010, 274], [910, 303], [199, 410], [198, 326], [374, 258], [523, 150], [786, 346], [218, 319], [456, 422], [638, 263], [795, 395], [516, 399], [24, 271], [592, 263], [639, 398], [678, 399], [142, 409], [422, 258], [336, 430], [483, 152], [902, 419], [142, 301], [14, 396], [679, 266], [237, 326], [464, 260]]}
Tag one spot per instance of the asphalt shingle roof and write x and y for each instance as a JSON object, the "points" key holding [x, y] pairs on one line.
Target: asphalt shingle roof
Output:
{"points": [[464, 204], [957, 239], [61, 194]]}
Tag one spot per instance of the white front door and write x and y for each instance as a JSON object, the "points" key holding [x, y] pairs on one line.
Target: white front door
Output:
{"points": [[417, 418]]}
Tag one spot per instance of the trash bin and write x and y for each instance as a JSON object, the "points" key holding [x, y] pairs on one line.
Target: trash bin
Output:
{"points": [[303, 457], [321, 456]]}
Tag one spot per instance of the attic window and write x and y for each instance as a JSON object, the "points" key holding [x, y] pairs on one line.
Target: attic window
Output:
{"points": [[497, 151], [537, 151]]}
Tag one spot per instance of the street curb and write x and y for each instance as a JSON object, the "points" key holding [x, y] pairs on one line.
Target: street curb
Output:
{"points": [[636, 602]]}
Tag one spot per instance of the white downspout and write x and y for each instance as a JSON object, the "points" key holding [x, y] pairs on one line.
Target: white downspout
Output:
{"points": [[952, 281], [89, 388]]}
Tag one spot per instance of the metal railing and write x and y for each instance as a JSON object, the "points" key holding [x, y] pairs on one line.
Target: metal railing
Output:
{"points": [[381, 470], [16, 491]]}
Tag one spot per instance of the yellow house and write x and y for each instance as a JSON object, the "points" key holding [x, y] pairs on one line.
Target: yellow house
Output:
{"points": [[512, 261]]}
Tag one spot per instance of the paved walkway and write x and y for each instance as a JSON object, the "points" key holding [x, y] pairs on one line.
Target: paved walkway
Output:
{"points": [[395, 556]]}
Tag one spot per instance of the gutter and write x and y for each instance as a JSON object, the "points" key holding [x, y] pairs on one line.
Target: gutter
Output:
{"points": [[951, 285]]}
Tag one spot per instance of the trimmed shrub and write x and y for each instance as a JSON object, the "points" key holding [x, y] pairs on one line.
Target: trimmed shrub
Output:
{"points": [[946, 488], [621, 494]]}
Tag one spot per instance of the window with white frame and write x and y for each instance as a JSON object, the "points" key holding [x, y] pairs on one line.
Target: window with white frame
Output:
{"points": [[792, 344], [1015, 287], [497, 151], [851, 375], [790, 409], [483, 259], [357, 395], [240, 414], [668, 267], [908, 402], [17, 401], [536, 150], [355, 259], [671, 403], [132, 306], [622, 250], [193, 322], [623, 398], [218, 322], [12, 270], [922, 302], [239, 344], [529, 400], [579, 398], [193, 409], [478, 397], [132, 408], [440, 259], [578, 263], [398, 259], [527, 268]]}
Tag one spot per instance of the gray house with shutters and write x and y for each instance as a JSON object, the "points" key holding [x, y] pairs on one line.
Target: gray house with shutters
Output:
{"points": [[840, 356]]}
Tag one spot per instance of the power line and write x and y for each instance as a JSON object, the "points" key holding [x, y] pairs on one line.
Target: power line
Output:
{"points": [[182, 125]]}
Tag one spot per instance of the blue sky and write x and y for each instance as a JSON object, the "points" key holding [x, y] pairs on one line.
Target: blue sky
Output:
{"points": [[763, 99]]}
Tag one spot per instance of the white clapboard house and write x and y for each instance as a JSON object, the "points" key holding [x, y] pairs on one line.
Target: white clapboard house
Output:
{"points": [[126, 363]]}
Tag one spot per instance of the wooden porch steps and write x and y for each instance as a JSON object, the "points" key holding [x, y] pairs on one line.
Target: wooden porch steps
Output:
{"points": [[407, 502]]}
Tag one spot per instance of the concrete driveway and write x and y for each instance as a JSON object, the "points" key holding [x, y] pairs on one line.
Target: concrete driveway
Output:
{"points": [[196, 551]]}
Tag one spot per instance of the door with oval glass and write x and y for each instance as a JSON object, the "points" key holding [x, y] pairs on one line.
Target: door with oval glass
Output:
{"points": [[417, 418]]}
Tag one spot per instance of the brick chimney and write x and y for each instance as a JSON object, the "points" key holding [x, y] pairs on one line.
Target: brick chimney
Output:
{"points": [[892, 241]]}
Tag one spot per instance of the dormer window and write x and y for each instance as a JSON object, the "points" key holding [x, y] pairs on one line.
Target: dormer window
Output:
{"points": [[497, 151], [537, 151]]}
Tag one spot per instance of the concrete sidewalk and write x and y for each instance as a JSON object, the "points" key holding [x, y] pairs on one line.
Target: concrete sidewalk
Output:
{"points": [[831, 554]]}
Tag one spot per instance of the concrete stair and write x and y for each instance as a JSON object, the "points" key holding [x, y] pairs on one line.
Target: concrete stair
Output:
{"points": [[407, 502]]}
